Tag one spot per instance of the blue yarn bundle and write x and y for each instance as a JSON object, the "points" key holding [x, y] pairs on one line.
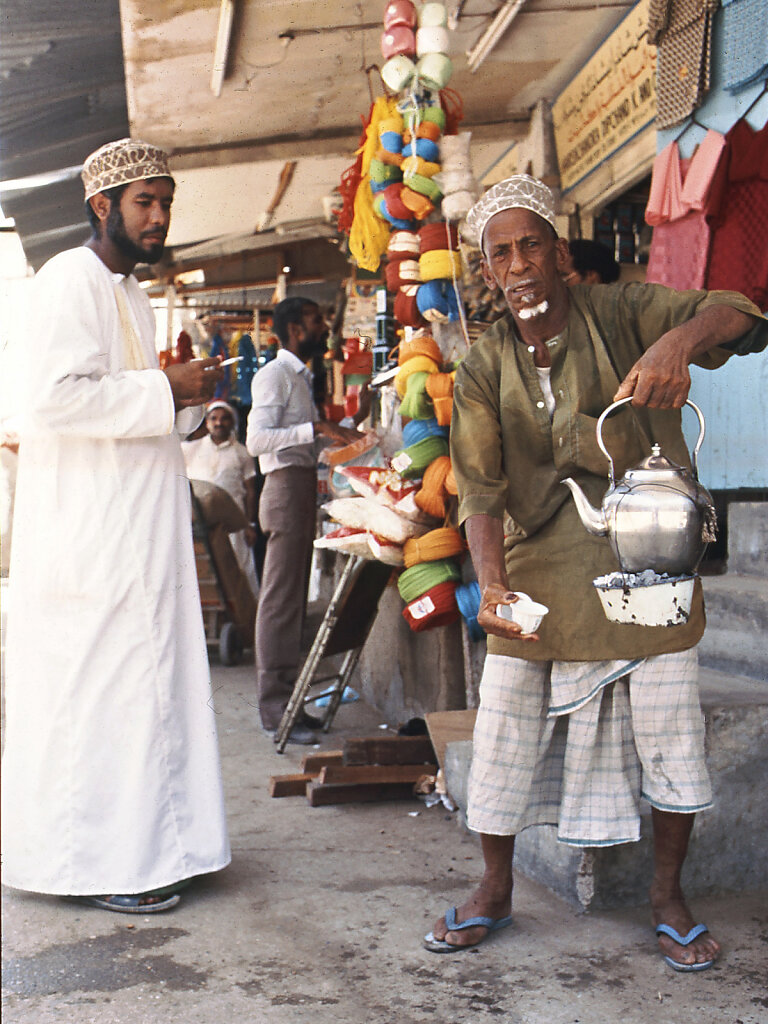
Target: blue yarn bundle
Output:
{"points": [[416, 430], [468, 600]]}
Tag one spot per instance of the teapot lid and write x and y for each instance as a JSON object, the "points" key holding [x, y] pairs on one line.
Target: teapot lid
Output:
{"points": [[655, 467]]}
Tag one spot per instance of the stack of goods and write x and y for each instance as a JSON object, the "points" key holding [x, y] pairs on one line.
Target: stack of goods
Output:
{"points": [[405, 166], [440, 269], [356, 371]]}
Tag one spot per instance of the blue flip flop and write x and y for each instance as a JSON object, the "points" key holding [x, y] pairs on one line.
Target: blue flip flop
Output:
{"points": [[129, 904], [684, 940], [441, 946]]}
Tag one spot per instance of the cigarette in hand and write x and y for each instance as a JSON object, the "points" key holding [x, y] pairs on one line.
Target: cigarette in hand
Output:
{"points": [[226, 362]]}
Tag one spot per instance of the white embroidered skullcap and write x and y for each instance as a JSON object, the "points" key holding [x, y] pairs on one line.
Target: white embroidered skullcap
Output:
{"points": [[121, 162], [219, 403], [521, 191]]}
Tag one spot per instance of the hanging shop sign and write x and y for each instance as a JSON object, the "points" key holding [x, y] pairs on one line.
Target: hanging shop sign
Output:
{"points": [[611, 99]]}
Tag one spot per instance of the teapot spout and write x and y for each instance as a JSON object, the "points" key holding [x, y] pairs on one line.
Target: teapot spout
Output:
{"points": [[592, 518]]}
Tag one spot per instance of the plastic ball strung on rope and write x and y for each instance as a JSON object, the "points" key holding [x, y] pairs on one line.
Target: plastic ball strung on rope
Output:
{"points": [[398, 39], [400, 12], [419, 205], [381, 210]]}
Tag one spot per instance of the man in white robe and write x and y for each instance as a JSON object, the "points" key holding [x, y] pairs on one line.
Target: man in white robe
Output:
{"points": [[111, 777], [219, 458]]}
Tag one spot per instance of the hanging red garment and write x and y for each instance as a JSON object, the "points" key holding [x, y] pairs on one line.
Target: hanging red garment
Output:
{"points": [[739, 223], [677, 212]]}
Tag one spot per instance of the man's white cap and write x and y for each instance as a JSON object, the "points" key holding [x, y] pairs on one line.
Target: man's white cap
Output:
{"points": [[521, 191]]}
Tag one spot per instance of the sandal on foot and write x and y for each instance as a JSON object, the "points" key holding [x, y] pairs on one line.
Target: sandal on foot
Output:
{"points": [[441, 946], [130, 904], [684, 940]]}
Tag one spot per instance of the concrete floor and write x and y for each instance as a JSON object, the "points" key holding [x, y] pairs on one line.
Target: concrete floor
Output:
{"points": [[320, 917]]}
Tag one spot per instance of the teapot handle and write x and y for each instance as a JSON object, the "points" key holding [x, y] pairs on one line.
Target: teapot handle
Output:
{"points": [[623, 401]]}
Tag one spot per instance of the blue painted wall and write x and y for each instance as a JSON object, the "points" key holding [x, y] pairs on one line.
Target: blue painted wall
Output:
{"points": [[734, 399]]}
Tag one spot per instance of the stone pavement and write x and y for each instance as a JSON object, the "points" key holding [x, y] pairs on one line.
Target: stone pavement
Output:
{"points": [[320, 916]]}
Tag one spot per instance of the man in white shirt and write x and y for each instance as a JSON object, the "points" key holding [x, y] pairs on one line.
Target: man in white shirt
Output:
{"points": [[219, 458], [282, 427]]}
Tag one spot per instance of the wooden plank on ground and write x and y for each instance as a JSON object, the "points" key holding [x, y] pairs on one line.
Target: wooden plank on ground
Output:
{"points": [[313, 763], [389, 750], [357, 774], [320, 795], [447, 727], [290, 785]]}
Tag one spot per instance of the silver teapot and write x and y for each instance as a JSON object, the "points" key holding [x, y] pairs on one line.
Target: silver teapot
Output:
{"points": [[658, 516]]}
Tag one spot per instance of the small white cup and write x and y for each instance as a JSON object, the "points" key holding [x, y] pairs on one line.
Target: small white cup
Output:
{"points": [[525, 612]]}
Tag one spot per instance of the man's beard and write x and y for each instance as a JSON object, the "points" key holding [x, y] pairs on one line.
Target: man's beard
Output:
{"points": [[529, 312], [309, 348], [119, 237]]}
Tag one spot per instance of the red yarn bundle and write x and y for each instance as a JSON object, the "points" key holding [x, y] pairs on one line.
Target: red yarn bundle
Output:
{"points": [[436, 607]]}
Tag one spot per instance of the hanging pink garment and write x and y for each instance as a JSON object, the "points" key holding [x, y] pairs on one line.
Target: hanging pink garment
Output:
{"points": [[739, 225], [676, 211]]}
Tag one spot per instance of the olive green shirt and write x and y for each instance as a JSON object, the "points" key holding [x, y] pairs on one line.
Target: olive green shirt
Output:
{"points": [[509, 458]]}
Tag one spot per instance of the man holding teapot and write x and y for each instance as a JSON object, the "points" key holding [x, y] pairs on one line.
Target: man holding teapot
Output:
{"points": [[580, 720]]}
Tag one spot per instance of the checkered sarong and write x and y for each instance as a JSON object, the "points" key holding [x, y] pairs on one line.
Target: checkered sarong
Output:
{"points": [[543, 756]]}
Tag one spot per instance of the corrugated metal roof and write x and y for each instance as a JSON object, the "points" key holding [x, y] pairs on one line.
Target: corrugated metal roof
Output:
{"points": [[62, 88]]}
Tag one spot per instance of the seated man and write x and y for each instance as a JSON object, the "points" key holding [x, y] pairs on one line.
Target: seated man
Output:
{"points": [[220, 459]]}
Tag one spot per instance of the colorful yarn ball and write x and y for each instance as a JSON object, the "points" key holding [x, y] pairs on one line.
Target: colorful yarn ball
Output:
{"points": [[417, 430], [438, 235], [436, 607], [403, 245], [417, 580], [439, 263], [437, 302], [416, 403], [411, 462], [405, 309], [444, 542], [419, 364], [468, 599], [419, 345]]}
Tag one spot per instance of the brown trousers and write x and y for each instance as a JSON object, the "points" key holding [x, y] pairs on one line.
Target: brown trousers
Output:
{"points": [[287, 518]]}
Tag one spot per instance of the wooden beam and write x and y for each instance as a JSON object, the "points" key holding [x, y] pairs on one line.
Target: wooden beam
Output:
{"points": [[316, 762], [361, 774], [323, 796], [389, 750], [290, 785]]}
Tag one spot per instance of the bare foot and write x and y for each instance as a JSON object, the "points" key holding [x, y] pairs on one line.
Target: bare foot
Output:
{"points": [[671, 909], [482, 903]]}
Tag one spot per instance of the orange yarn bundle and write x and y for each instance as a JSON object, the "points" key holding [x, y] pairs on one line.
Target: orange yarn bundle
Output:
{"points": [[440, 390], [450, 482], [431, 497], [444, 542], [421, 345]]}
